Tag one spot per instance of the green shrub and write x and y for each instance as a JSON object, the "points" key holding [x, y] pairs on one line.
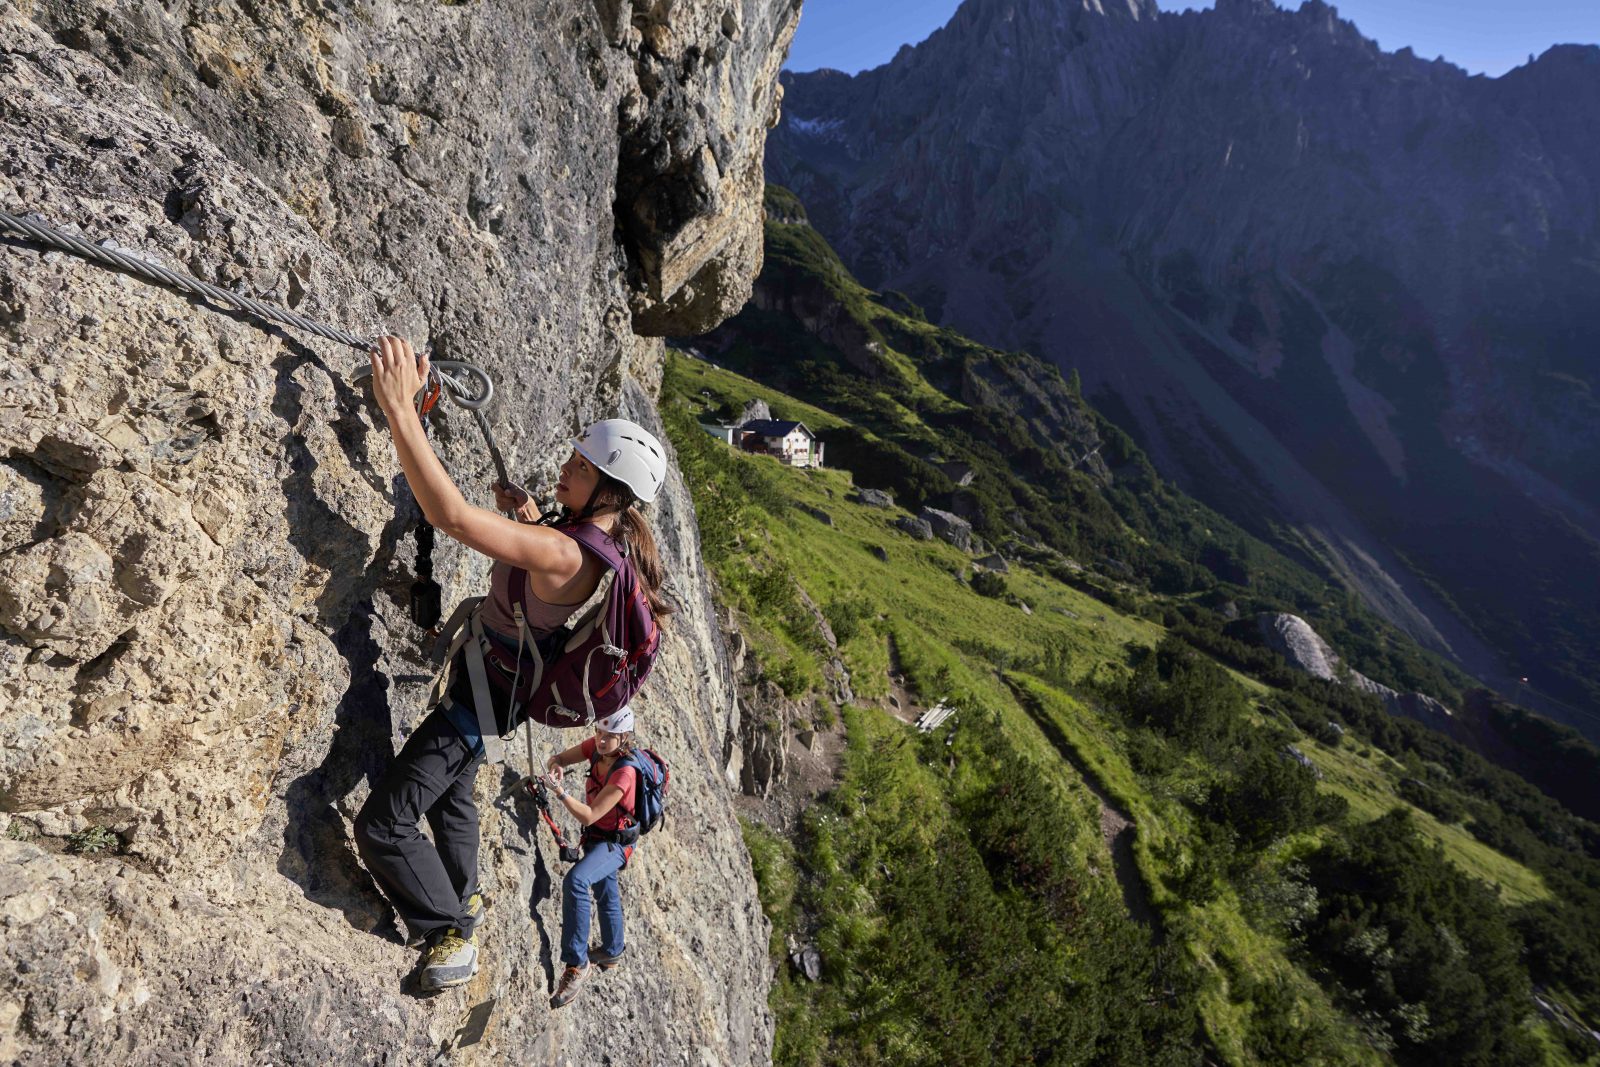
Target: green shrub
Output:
{"points": [[988, 583], [1186, 696], [1424, 948], [92, 839], [1271, 796], [845, 616]]}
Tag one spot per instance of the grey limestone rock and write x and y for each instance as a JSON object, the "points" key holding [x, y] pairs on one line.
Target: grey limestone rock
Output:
{"points": [[754, 409], [875, 498], [951, 527], [205, 542], [1293, 638], [808, 961], [915, 527]]}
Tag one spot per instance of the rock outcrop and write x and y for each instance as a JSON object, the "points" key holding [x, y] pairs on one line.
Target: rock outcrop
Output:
{"points": [[1304, 649], [914, 526], [1325, 286], [875, 498], [205, 541]]}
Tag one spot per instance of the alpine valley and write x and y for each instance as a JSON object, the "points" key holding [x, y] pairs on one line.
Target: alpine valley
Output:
{"points": [[1344, 296]]}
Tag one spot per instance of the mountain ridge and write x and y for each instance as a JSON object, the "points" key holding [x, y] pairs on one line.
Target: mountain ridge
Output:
{"points": [[1285, 258]]}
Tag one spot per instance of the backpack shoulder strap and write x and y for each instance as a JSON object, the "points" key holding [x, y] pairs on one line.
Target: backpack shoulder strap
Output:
{"points": [[596, 541], [626, 761], [638, 777]]}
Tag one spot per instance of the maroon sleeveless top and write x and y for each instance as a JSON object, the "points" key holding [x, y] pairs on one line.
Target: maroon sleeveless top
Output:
{"points": [[543, 617]]}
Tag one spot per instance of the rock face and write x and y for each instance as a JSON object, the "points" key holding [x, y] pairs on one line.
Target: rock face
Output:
{"points": [[1324, 285], [205, 541], [875, 498], [754, 409], [1293, 638]]}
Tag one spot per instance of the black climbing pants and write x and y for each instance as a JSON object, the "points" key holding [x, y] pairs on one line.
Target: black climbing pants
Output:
{"points": [[432, 777]]}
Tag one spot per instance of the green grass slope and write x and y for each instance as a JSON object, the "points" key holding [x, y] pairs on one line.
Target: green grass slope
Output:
{"points": [[965, 903]]}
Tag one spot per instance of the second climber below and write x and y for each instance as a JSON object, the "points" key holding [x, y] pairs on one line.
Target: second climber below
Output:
{"points": [[610, 794], [614, 465]]}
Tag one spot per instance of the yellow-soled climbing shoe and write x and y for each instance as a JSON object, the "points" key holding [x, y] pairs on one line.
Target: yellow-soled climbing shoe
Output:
{"points": [[452, 961], [475, 906]]}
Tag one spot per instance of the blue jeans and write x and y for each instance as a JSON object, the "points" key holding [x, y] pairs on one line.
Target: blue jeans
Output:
{"points": [[597, 871]]}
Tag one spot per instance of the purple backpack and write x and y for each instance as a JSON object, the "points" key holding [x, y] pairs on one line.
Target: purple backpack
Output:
{"points": [[604, 657]]}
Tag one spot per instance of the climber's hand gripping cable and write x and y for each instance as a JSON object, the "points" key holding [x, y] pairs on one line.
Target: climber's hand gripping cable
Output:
{"points": [[395, 380]]}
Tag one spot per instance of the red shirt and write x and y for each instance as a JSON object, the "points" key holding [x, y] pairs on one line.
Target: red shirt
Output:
{"points": [[624, 778]]}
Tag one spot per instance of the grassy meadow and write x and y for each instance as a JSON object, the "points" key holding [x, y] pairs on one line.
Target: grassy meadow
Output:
{"points": [[957, 883]]}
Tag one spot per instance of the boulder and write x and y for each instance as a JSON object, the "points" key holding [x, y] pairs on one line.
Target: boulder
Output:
{"points": [[808, 961], [1304, 649], [950, 527], [880, 552], [875, 498], [753, 409], [921, 529], [1293, 638], [994, 562]]}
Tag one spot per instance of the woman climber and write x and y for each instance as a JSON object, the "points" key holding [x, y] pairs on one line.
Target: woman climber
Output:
{"points": [[610, 792], [614, 464]]}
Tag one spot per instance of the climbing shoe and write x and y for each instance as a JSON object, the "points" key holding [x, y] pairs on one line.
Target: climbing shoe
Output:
{"points": [[567, 988], [603, 959], [474, 912], [452, 961]]}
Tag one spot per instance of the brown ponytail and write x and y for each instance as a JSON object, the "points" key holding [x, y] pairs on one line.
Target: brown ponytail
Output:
{"points": [[633, 531]]}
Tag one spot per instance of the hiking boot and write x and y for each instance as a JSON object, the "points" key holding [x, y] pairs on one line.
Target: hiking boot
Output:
{"points": [[567, 988], [474, 912], [603, 959], [452, 961]]}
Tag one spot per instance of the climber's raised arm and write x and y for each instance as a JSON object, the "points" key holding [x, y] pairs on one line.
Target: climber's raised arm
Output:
{"points": [[397, 376]]}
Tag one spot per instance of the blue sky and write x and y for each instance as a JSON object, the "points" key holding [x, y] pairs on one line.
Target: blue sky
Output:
{"points": [[1484, 36]]}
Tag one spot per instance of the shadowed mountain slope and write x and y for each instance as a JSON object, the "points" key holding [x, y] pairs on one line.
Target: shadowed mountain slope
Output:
{"points": [[1327, 288]]}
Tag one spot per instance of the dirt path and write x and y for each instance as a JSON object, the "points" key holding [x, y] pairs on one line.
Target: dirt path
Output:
{"points": [[900, 702], [1116, 826]]}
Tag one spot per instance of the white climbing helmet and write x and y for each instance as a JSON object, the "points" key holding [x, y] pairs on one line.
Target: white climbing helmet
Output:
{"points": [[627, 452], [618, 722]]}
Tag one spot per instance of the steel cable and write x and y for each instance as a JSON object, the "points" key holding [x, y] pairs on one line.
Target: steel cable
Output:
{"points": [[453, 373]]}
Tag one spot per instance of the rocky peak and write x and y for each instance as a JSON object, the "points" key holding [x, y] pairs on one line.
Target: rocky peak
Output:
{"points": [[1221, 217], [1236, 9]]}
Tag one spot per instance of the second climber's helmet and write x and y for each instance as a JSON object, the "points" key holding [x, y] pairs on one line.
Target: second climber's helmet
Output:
{"points": [[627, 452]]}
